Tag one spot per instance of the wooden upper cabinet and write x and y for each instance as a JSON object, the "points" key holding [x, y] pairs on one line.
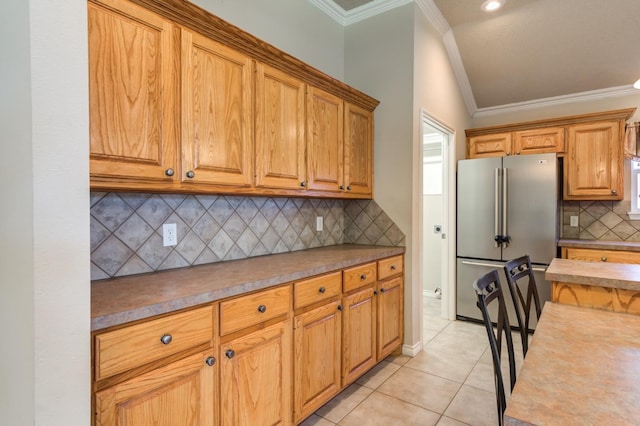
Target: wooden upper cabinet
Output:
{"points": [[493, 145], [280, 129], [325, 148], [594, 162], [358, 150], [534, 141], [538, 141], [217, 113], [132, 92]]}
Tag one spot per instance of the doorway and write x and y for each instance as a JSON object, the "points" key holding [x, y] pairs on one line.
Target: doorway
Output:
{"points": [[437, 204]]}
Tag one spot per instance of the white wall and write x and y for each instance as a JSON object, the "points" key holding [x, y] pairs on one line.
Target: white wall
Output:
{"points": [[379, 61], [44, 269], [294, 26]]}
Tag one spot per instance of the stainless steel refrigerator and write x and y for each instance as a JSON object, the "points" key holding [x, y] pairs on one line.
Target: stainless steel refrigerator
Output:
{"points": [[507, 207]]}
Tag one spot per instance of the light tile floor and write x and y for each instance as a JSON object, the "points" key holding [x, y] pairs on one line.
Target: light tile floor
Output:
{"points": [[449, 383]]}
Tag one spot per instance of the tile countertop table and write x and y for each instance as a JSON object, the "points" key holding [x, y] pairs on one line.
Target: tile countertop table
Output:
{"points": [[600, 245], [582, 368], [120, 300], [602, 274]]}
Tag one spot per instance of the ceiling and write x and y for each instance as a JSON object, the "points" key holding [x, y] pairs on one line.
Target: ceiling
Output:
{"points": [[530, 51]]}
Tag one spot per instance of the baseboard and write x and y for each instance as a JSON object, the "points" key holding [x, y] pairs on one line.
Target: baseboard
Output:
{"points": [[412, 350]]}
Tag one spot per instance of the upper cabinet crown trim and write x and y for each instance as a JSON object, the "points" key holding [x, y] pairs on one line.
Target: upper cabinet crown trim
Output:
{"points": [[558, 121], [197, 19]]}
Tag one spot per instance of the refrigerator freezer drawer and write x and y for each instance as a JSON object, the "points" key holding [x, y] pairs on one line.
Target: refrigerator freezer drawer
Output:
{"points": [[468, 270]]}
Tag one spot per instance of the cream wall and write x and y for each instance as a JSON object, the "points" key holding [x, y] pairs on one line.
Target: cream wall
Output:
{"points": [[44, 269], [379, 61], [294, 26]]}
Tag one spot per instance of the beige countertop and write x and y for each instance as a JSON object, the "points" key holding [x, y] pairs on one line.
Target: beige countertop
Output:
{"points": [[582, 368], [602, 274], [120, 300], [600, 245]]}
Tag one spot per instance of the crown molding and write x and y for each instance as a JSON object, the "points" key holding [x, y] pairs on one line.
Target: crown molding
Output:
{"points": [[592, 95], [360, 13], [433, 14]]}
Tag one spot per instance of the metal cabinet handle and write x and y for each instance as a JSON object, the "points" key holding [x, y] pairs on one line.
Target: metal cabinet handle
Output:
{"points": [[169, 172], [604, 258], [517, 152], [210, 361], [382, 290], [190, 174], [340, 307], [375, 292], [230, 353], [348, 187], [393, 267], [508, 152], [363, 277], [166, 339], [322, 290], [341, 187], [614, 192], [262, 309], [303, 184]]}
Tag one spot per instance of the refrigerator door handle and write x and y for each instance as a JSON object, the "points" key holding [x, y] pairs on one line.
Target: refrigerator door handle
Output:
{"points": [[505, 204], [493, 265], [496, 210]]}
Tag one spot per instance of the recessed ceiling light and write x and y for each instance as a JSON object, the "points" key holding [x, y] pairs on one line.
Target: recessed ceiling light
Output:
{"points": [[491, 5], [637, 84]]}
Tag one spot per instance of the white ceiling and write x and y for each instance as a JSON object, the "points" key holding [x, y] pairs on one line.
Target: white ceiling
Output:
{"points": [[530, 51]]}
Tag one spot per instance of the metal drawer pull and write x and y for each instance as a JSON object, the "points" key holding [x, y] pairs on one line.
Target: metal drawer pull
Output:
{"points": [[321, 290], [340, 307], [210, 361], [382, 290], [393, 267], [262, 309], [230, 353], [166, 339], [363, 277], [604, 259]]}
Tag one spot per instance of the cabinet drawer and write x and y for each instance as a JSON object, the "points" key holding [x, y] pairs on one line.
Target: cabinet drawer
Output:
{"points": [[594, 255], [253, 309], [120, 350], [316, 289], [358, 276], [390, 267]]}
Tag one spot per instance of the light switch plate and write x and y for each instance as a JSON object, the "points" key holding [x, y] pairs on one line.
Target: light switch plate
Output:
{"points": [[573, 221]]}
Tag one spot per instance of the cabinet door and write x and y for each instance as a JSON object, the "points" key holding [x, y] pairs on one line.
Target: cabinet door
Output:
{"points": [[390, 316], [255, 378], [132, 93], [317, 335], [358, 150], [181, 393], [539, 141], [358, 334], [494, 145], [325, 150], [593, 167], [280, 135], [217, 113]]}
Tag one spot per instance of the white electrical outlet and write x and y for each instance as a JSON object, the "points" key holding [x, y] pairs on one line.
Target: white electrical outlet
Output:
{"points": [[319, 223], [573, 221], [169, 234]]}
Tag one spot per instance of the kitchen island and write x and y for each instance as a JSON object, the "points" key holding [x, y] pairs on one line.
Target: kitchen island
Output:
{"points": [[601, 285], [582, 368]]}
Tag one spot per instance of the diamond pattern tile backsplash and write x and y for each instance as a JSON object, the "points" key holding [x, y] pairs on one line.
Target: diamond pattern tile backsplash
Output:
{"points": [[600, 220], [126, 229]]}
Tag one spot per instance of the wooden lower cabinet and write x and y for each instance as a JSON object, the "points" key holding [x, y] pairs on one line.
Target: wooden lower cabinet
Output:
{"points": [[255, 378], [181, 393], [358, 334], [390, 316], [596, 255], [317, 354]]}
